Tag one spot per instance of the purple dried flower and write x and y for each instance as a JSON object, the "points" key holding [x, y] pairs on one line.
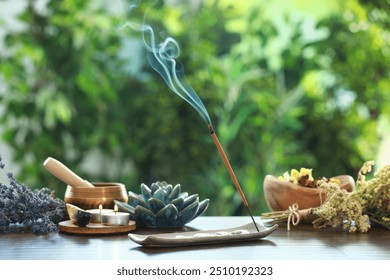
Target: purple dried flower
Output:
{"points": [[26, 210]]}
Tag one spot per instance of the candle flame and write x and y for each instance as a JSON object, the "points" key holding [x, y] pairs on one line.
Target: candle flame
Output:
{"points": [[115, 208], [100, 207]]}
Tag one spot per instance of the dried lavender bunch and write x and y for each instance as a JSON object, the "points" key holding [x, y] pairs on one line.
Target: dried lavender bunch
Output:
{"points": [[24, 210]]}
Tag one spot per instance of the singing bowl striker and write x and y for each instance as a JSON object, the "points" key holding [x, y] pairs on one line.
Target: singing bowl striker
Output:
{"points": [[279, 195], [103, 193]]}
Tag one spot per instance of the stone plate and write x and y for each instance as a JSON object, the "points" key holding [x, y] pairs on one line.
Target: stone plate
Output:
{"points": [[244, 233]]}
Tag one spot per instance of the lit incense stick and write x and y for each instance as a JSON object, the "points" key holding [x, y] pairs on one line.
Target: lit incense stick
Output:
{"points": [[231, 172], [162, 58]]}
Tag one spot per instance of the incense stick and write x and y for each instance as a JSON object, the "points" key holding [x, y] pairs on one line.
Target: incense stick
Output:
{"points": [[162, 58], [231, 172]]}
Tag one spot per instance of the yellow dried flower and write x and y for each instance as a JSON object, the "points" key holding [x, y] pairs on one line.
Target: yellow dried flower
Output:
{"points": [[285, 177], [303, 177], [295, 175], [335, 180], [306, 172]]}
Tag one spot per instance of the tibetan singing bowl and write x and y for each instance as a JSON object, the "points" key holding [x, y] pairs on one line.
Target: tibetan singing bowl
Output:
{"points": [[90, 198], [279, 195]]}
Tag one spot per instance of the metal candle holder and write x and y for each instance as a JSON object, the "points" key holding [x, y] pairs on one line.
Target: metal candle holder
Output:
{"points": [[116, 219]]}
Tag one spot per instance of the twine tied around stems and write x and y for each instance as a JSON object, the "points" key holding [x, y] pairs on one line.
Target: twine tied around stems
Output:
{"points": [[293, 215]]}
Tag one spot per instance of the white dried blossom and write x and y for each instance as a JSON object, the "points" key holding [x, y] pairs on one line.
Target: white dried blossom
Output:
{"points": [[341, 209], [376, 196]]}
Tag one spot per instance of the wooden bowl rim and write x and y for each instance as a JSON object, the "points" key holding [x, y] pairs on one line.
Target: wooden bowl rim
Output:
{"points": [[294, 186], [288, 185]]}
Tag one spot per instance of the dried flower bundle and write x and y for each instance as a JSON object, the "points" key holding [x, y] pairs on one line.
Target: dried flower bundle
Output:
{"points": [[375, 194], [354, 211], [341, 209], [25, 210]]}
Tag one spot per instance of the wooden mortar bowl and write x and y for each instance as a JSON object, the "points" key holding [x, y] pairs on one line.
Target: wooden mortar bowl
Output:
{"points": [[279, 195], [103, 193]]}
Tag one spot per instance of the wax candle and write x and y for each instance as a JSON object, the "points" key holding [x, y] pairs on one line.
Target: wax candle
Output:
{"points": [[97, 214], [115, 218]]}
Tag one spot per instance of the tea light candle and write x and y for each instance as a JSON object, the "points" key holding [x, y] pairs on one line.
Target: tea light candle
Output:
{"points": [[97, 214], [116, 218]]}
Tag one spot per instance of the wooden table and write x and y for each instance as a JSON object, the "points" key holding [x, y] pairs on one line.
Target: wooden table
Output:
{"points": [[301, 243]]}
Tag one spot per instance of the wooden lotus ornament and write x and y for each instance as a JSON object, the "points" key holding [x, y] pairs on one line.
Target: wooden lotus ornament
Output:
{"points": [[280, 195]]}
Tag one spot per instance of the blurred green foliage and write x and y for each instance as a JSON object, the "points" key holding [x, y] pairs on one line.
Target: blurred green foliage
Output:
{"points": [[284, 90]]}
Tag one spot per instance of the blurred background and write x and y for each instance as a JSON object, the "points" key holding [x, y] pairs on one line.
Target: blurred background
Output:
{"points": [[287, 84]]}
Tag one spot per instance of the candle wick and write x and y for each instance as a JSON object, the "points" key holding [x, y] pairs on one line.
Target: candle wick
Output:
{"points": [[100, 209]]}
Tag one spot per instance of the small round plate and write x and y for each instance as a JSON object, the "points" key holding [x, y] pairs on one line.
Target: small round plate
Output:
{"points": [[94, 228]]}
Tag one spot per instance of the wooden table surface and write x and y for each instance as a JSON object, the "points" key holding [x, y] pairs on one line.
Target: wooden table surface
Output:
{"points": [[301, 243]]}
